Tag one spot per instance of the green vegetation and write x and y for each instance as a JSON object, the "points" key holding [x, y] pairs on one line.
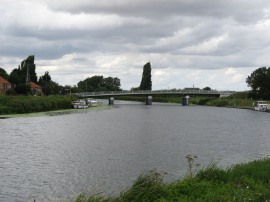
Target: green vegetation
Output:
{"points": [[164, 99], [21, 77], [238, 100], [242, 182], [223, 102], [99, 83], [29, 104], [259, 81], [49, 87], [146, 82], [4, 74]]}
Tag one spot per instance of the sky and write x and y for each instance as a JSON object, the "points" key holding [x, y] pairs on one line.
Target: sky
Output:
{"points": [[213, 43]]}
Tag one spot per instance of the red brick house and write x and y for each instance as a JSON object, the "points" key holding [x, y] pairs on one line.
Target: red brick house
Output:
{"points": [[36, 89], [4, 85]]}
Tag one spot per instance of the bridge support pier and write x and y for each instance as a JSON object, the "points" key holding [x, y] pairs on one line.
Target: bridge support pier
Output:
{"points": [[148, 100], [185, 101], [111, 100]]}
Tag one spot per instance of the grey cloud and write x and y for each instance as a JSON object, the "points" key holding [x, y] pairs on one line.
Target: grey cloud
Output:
{"points": [[174, 34], [240, 10]]}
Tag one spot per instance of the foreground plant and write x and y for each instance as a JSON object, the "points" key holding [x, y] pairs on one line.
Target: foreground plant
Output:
{"points": [[242, 182], [192, 164]]}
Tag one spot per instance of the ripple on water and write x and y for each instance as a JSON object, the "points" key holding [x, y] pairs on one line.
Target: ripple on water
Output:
{"points": [[57, 157]]}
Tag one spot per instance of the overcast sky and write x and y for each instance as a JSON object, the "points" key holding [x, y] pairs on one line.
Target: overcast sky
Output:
{"points": [[212, 43]]}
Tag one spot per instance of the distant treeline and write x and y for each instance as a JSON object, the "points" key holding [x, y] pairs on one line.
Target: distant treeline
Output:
{"points": [[238, 100]]}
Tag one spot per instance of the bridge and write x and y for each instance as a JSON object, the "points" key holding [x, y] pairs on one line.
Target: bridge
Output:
{"points": [[150, 93], [184, 92]]}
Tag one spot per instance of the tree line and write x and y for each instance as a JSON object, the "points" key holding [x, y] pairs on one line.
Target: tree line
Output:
{"points": [[26, 72], [49, 87], [18, 77], [258, 81]]}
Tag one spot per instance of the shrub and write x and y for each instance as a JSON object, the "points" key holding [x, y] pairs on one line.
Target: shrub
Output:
{"points": [[27, 104]]}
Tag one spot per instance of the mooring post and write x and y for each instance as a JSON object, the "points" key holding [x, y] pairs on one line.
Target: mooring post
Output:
{"points": [[111, 100], [148, 100], [185, 101]]}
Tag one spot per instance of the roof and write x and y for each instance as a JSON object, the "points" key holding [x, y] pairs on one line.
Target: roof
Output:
{"points": [[34, 85], [2, 80]]}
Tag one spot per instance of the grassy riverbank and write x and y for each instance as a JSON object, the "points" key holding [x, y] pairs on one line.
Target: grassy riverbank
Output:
{"points": [[218, 102], [55, 108], [30, 104], [242, 182], [223, 102]]}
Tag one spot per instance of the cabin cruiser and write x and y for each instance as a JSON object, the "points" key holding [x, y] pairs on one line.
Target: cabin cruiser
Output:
{"points": [[261, 106], [80, 104], [92, 102]]}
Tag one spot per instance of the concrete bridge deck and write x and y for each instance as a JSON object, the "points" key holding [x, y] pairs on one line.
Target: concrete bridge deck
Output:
{"points": [[155, 92]]}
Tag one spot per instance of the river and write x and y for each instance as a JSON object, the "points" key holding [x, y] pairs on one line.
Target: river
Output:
{"points": [[57, 157]]}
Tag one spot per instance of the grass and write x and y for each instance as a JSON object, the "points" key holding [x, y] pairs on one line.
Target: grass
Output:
{"points": [[242, 182], [233, 101], [30, 104]]}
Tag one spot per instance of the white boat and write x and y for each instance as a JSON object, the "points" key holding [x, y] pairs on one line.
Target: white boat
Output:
{"points": [[260, 106], [80, 104], [92, 103]]}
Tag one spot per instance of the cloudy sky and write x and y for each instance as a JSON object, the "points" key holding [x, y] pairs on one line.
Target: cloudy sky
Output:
{"points": [[212, 43]]}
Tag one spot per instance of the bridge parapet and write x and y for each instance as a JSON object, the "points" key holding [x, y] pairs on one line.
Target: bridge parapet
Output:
{"points": [[155, 92]]}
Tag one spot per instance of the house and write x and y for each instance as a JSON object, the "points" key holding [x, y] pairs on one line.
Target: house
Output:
{"points": [[36, 89], [4, 85]]}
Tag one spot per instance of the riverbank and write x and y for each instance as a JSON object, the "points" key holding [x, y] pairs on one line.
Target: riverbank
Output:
{"points": [[56, 112], [30, 106], [232, 102], [242, 182]]}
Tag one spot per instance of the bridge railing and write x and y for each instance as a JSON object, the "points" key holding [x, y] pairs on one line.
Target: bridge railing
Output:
{"points": [[149, 92]]}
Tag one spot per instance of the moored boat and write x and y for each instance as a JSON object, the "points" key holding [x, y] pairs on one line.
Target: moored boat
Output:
{"points": [[80, 104], [261, 106], [92, 102]]}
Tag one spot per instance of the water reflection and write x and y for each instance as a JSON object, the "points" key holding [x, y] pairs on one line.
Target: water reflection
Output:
{"points": [[57, 157]]}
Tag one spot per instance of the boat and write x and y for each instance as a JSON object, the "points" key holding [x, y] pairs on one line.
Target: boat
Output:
{"points": [[92, 103], [80, 104], [260, 106]]}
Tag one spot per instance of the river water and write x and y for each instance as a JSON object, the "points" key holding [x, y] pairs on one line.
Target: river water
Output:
{"points": [[57, 157]]}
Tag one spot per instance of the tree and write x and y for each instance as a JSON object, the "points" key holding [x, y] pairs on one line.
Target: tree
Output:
{"points": [[4, 74], [55, 88], [48, 86], [135, 88], [99, 83], [29, 63], [206, 88], [259, 81], [44, 81], [111, 84], [15, 77], [146, 82], [18, 76], [116, 83], [23, 88]]}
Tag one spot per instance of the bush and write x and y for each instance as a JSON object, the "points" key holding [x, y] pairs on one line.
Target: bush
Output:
{"points": [[28, 104]]}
